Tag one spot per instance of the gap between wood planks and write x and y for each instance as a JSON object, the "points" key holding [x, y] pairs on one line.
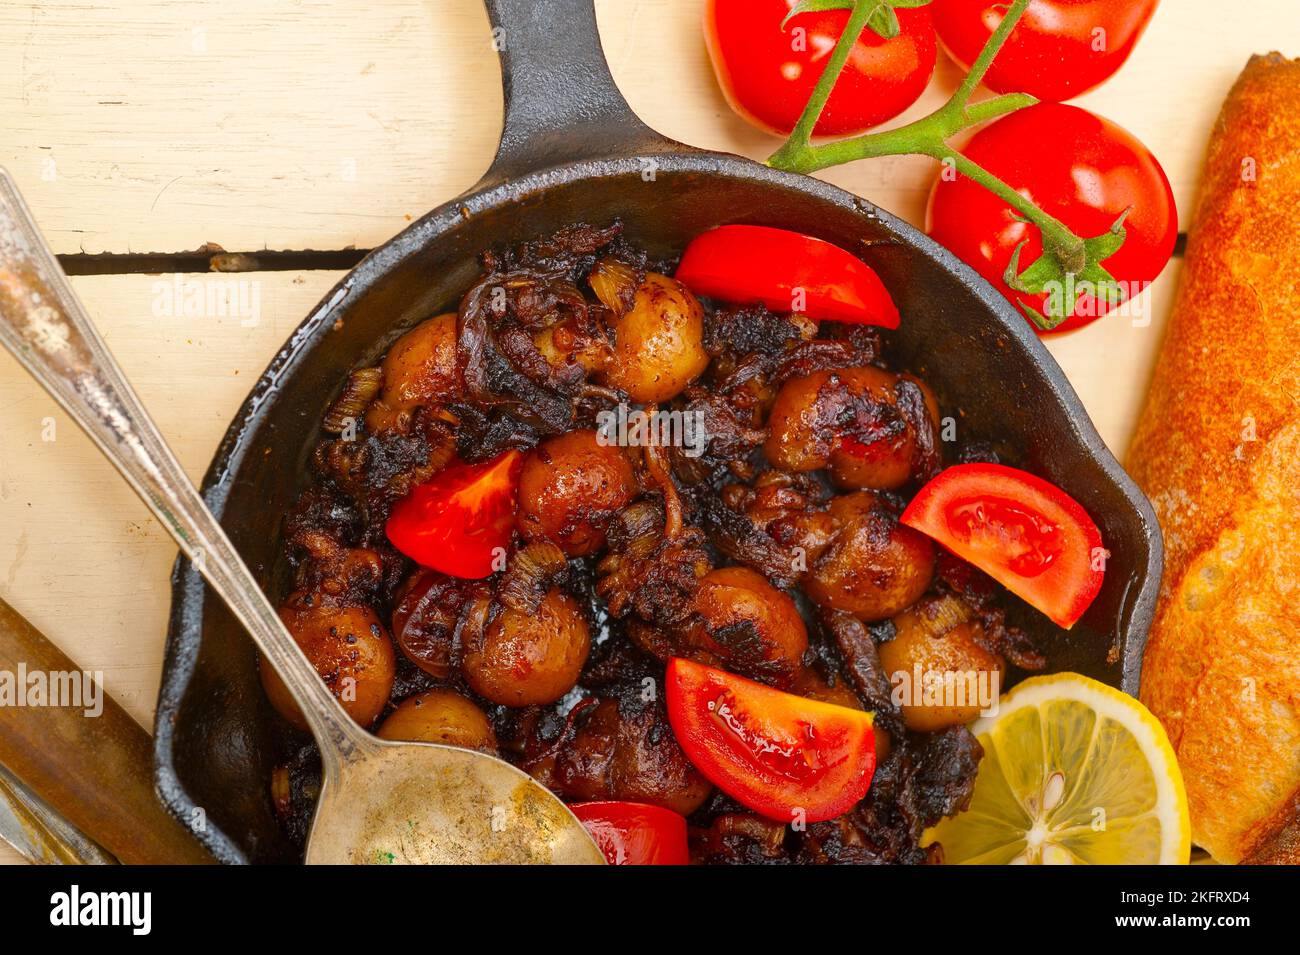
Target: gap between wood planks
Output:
{"points": [[207, 260]]}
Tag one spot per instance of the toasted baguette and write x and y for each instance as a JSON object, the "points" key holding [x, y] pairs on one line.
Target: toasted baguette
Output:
{"points": [[1217, 451]]}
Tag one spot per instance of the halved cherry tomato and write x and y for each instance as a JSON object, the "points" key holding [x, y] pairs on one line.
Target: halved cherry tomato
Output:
{"points": [[459, 521], [1076, 166], [767, 73], [633, 833], [1060, 48], [777, 753], [1024, 532], [787, 272]]}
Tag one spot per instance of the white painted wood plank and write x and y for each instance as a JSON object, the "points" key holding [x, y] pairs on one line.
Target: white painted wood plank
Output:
{"points": [[159, 126]]}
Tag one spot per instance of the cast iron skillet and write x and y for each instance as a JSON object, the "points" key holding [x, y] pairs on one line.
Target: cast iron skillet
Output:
{"points": [[572, 150]]}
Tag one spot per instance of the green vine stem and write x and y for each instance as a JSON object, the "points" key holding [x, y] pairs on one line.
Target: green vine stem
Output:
{"points": [[930, 136]]}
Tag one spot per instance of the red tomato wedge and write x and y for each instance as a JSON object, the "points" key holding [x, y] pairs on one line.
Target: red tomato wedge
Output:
{"points": [[634, 833], [787, 272], [459, 521], [1025, 533], [779, 754]]}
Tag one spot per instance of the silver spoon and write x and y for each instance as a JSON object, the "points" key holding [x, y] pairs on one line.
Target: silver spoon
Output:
{"points": [[380, 801]]}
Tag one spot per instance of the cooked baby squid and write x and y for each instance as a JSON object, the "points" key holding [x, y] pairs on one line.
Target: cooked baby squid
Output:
{"points": [[420, 369], [938, 643], [350, 650], [859, 558], [658, 332], [737, 620], [619, 752], [570, 488], [746, 624], [524, 657], [859, 423], [440, 716]]}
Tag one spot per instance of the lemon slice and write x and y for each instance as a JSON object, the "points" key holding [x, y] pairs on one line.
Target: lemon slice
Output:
{"points": [[1074, 773]]}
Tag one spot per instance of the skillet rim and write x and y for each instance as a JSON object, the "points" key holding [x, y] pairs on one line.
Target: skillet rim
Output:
{"points": [[185, 622]]}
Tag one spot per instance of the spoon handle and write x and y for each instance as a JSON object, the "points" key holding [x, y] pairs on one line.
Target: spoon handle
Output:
{"points": [[45, 327]]}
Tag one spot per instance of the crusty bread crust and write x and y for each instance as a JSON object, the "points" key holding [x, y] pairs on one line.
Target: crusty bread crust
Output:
{"points": [[1217, 451]]}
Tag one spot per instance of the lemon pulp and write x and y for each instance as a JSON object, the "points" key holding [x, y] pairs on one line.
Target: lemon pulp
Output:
{"points": [[1074, 772]]}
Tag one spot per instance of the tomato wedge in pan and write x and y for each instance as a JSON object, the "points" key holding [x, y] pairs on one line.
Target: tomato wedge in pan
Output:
{"points": [[1025, 533], [787, 272], [634, 833], [458, 521], [781, 755]]}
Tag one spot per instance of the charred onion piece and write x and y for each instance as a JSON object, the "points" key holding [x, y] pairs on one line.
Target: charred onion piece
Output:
{"points": [[647, 574], [615, 284], [570, 487], [532, 572], [527, 657], [360, 389], [739, 538], [866, 672], [656, 464]]}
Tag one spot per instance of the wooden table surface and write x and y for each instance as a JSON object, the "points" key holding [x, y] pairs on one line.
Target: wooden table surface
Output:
{"points": [[162, 127]]}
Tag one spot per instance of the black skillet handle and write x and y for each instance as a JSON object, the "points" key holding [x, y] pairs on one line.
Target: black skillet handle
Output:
{"points": [[561, 104]]}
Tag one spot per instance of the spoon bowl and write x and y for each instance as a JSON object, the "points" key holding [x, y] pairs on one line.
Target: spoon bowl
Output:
{"points": [[423, 803]]}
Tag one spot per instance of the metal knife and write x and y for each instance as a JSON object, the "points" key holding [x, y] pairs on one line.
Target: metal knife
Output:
{"points": [[39, 833]]}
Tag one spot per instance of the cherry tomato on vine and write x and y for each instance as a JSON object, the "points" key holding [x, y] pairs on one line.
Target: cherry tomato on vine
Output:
{"points": [[1060, 48], [1079, 168], [768, 73], [1024, 532]]}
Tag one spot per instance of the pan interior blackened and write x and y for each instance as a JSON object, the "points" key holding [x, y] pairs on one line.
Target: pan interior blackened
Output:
{"points": [[213, 745]]}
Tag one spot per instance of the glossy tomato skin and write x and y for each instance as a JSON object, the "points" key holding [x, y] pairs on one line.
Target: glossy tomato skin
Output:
{"points": [[1080, 168], [1023, 531], [634, 833], [460, 520], [781, 755], [786, 271], [767, 74], [1060, 49]]}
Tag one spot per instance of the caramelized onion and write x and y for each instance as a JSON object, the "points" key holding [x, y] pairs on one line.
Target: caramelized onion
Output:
{"points": [[634, 532], [532, 572], [281, 791], [939, 615], [615, 284], [472, 623], [361, 388]]}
